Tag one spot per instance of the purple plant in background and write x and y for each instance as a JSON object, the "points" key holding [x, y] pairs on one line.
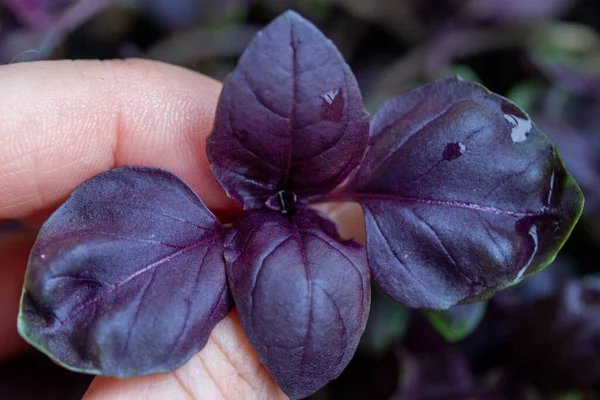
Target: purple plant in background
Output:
{"points": [[37, 13], [174, 13], [515, 10], [462, 195], [45, 24], [566, 356]]}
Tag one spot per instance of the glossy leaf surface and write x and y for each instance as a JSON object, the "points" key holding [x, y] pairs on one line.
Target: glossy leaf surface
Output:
{"points": [[462, 195], [127, 277], [290, 117], [303, 295]]}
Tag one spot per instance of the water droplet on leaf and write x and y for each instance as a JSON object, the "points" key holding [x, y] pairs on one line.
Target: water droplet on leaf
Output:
{"points": [[526, 228], [554, 187], [520, 127], [550, 189], [332, 105], [453, 151]]}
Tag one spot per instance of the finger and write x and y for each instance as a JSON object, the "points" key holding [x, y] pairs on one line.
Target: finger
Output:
{"points": [[66, 121], [348, 217], [14, 249], [227, 368]]}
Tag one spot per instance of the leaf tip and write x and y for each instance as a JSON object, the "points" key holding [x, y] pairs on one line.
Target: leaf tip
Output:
{"points": [[291, 15]]}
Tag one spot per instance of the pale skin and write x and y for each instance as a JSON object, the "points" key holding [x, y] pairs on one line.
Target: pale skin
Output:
{"points": [[62, 122]]}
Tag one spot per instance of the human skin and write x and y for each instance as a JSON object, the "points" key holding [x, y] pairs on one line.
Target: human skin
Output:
{"points": [[61, 123]]}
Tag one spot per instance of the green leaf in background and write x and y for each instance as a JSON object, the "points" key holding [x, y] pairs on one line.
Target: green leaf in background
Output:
{"points": [[527, 93], [569, 396], [464, 71], [568, 45], [388, 321], [456, 323], [316, 9]]}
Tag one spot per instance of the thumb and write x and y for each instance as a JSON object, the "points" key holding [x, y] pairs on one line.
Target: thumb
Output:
{"points": [[226, 368]]}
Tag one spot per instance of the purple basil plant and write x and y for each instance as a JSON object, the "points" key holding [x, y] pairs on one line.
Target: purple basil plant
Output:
{"points": [[462, 196]]}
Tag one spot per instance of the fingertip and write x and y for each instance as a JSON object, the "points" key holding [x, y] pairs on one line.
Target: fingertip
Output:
{"points": [[65, 121]]}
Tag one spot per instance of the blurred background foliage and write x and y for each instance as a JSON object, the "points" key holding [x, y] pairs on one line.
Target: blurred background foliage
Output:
{"points": [[539, 340]]}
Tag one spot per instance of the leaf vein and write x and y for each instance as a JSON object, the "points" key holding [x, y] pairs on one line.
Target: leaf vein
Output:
{"points": [[510, 177], [137, 313], [339, 313], [448, 203], [489, 229], [443, 247], [258, 272], [117, 285], [292, 119], [354, 266], [188, 302], [392, 249], [413, 134], [141, 207]]}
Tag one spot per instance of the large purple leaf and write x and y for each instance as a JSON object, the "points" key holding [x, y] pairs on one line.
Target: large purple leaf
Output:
{"points": [[290, 117], [127, 277], [303, 295], [462, 195]]}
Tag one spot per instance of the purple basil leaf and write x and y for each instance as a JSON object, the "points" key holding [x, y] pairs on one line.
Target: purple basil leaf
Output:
{"points": [[303, 295], [462, 195], [127, 277], [290, 117]]}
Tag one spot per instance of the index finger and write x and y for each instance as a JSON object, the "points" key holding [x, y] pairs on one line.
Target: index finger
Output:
{"points": [[62, 122]]}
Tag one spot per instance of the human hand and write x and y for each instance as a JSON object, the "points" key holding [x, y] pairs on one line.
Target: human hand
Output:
{"points": [[63, 122]]}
